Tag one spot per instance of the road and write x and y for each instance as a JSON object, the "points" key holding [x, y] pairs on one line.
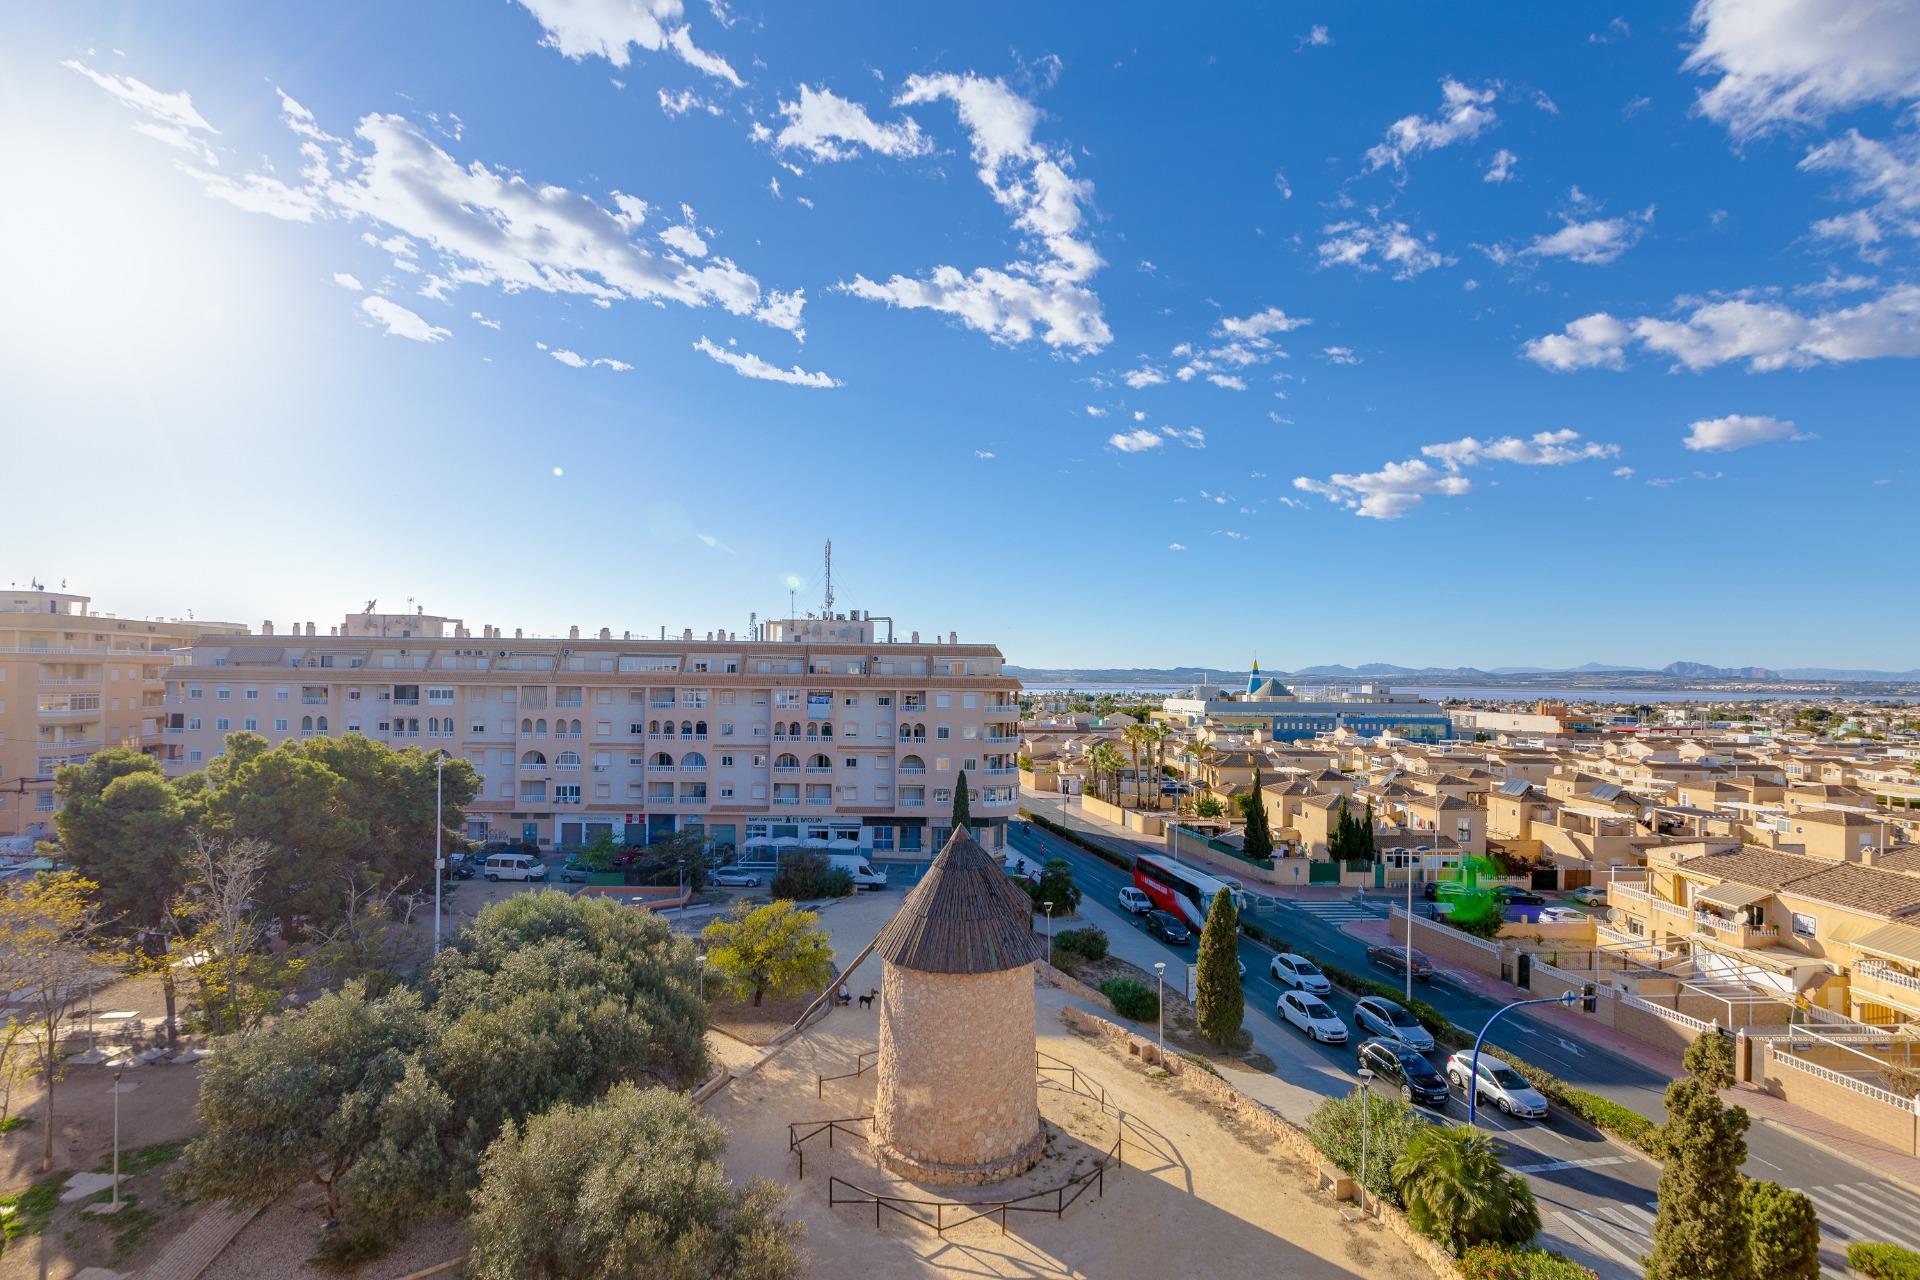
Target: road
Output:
{"points": [[1596, 1198]]}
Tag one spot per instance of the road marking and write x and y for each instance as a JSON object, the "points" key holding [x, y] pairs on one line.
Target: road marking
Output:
{"points": [[1595, 1242], [1554, 1166], [1853, 1219]]}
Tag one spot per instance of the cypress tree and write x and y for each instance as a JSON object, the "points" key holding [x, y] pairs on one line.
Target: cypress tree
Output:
{"points": [[962, 810], [1340, 844], [1257, 841], [1217, 998], [1700, 1231], [1366, 835]]}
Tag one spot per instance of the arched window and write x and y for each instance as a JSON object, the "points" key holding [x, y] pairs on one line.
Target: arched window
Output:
{"points": [[686, 728], [786, 760], [906, 733], [793, 730], [540, 726], [306, 724], [699, 728], [567, 760], [919, 733], [819, 762], [663, 760], [433, 726], [526, 727], [912, 764], [320, 725], [532, 759], [693, 760]]}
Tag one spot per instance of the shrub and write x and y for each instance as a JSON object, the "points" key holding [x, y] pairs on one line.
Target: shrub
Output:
{"points": [[1502, 1262], [1089, 943], [805, 876], [1457, 1193], [1335, 1127], [1131, 999], [1783, 1231], [1883, 1261], [1055, 885]]}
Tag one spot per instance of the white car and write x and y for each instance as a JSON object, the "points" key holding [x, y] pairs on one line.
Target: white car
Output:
{"points": [[1500, 1085], [1312, 1016], [1135, 900], [1299, 973], [1375, 1016], [734, 876], [1561, 915]]}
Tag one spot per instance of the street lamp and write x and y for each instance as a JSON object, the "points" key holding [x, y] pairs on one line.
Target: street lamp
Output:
{"points": [[1473, 1071], [439, 844], [1160, 972], [703, 977], [115, 1206], [1366, 1095], [1409, 870], [1049, 910]]}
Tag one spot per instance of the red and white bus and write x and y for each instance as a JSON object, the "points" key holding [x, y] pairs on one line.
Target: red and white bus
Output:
{"points": [[1180, 887]]}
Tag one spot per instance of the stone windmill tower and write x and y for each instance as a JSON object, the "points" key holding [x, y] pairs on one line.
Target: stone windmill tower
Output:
{"points": [[957, 1101]]}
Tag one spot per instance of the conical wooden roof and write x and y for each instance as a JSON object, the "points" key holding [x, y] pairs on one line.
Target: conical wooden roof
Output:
{"points": [[965, 916]]}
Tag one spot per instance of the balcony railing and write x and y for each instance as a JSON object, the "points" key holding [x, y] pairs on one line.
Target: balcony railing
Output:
{"points": [[1881, 971], [819, 768], [786, 799], [319, 699], [907, 803]]}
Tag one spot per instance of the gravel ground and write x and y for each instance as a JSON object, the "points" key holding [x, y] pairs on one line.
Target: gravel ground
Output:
{"points": [[277, 1244]]}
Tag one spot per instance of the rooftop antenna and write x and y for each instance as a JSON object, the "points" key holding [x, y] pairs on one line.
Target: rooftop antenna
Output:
{"points": [[753, 626], [370, 605], [827, 611]]}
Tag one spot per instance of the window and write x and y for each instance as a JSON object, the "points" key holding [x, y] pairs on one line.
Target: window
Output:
{"points": [[250, 724], [850, 762], [942, 733], [726, 762], [943, 700], [280, 725], [971, 762], [726, 728], [567, 760], [281, 694], [223, 694], [194, 757], [193, 724], [943, 763], [194, 691], [252, 695], [1803, 925], [566, 793]]}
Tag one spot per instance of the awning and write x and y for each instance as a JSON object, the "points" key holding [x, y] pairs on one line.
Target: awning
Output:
{"points": [[843, 842], [1891, 942], [813, 842], [757, 842], [784, 842], [1732, 896]]}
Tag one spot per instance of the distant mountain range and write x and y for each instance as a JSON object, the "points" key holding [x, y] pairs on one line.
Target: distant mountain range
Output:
{"points": [[1586, 675]]}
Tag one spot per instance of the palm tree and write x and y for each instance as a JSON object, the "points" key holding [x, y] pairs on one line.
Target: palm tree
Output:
{"points": [[1136, 736], [1455, 1191], [1157, 735], [1106, 759]]}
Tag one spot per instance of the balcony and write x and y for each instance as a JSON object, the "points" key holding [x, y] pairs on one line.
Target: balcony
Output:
{"points": [[1735, 932], [815, 768], [907, 802], [786, 768], [1878, 973], [999, 772], [321, 699], [782, 800], [659, 768], [398, 701], [68, 710]]}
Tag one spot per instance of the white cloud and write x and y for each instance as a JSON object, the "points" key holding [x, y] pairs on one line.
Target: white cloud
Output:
{"points": [[346, 280], [1595, 242], [1095, 411], [1317, 37], [1500, 168], [1364, 246], [1400, 487], [479, 319], [1737, 431], [1464, 113], [1623, 473], [1043, 295], [1262, 324], [574, 360], [605, 28], [985, 455], [748, 365], [678, 104], [1230, 382], [1143, 377], [1176, 546], [1886, 174], [686, 240], [169, 117], [828, 127], [1192, 437], [1785, 62], [400, 322], [1340, 355], [569, 359], [1859, 229], [1139, 440], [1767, 335]]}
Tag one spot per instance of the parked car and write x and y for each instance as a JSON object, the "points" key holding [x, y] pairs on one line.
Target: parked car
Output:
{"points": [[1591, 895], [735, 876], [1561, 915], [460, 866], [1380, 1017], [1135, 901], [1300, 973], [1401, 1068], [1395, 959], [1514, 896], [1310, 1014], [1499, 1084], [1434, 890], [513, 866], [574, 870], [1169, 928]]}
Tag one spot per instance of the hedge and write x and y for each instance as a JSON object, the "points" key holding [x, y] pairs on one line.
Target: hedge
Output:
{"points": [[1131, 999], [1090, 942], [1073, 837], [1504, 1262], [1884, 1261]]}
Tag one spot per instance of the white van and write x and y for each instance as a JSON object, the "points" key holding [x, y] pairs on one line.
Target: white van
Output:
{"points": [[855, 865], [513, 866]]}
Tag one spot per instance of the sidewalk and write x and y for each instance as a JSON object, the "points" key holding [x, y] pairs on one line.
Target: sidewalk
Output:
{"points": [[1835, 1138]]}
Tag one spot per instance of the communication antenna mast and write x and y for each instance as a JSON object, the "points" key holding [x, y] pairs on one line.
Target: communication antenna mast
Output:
{"points": [[753, 626], [828, 610]]}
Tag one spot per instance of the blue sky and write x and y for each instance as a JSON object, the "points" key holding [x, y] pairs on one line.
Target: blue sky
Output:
{"points": [[1519, 334]]}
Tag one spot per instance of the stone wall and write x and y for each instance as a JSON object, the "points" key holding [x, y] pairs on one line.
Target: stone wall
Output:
{"points": [[957, 1100], [1445, 945], [1292, 1138], [1865, 1114]]}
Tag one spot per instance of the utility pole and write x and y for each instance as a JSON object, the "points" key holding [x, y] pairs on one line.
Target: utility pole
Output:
{"points": [[827, 610]]}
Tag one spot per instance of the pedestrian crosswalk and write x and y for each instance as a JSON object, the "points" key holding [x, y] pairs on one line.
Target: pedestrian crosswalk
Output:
{"points": [[1336, 912], [1849, 1213]]}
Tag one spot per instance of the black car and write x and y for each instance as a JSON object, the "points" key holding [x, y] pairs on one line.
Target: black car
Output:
{"points": [[1512, 896], [460, 866], [1168, 927], [1401, 1068], [1395, 959], [1438, 889]]}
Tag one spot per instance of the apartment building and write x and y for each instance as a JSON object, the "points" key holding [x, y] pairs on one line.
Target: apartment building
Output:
{"points": [[71, 682], [814, 731]]}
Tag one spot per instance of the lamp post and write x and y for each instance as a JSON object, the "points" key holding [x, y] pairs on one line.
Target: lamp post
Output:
{"points": [[1049, 909], [115, 1206], [1410, 929], [1160, 972], [1366, 1096], [439, 845], [703, 977], [1473, 1083]]}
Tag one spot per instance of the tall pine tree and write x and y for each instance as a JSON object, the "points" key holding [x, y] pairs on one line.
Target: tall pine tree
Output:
{"points": [[962, 810], [1257, 842], [1217, 999], [1700, 1230]]}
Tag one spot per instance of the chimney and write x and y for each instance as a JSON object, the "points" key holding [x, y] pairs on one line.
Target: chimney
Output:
{"points": [[266, 628], [573, 633], [626, 635], [311, 630], [953, 637], [916, 637], [687, 634], [606, 633], [518, 633]]}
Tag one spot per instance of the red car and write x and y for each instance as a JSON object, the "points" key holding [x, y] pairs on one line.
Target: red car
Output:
{"points": [[1395, 959]]}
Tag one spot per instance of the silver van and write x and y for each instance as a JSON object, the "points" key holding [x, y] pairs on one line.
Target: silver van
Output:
{"points": [[513, 866]]}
